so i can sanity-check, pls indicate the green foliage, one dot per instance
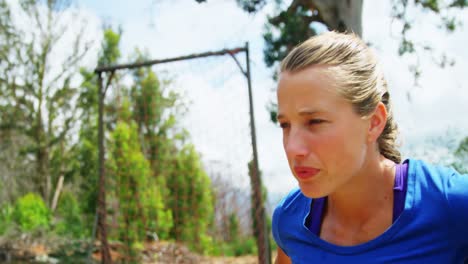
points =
(430, 4)
(6, 217)
(233, 227)
(250, 6)
(70, 217)
(459, 3)
(86, 151)
(406, 47)
(183, 185)
(87, 168)
(285, 31)
(154, 114)
(243, 246)
(110, 52)
(461, 157)
(139, 195)
(31, 213)
(147, 153)
(450, 23)
(462, 149)
(159, 216)
(155, 110)
(235, 244)
(447, 13)
(35, 90)
(192, 197)
(130, 170)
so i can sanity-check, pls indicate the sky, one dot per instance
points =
(169, 28)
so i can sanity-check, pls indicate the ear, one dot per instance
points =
(377, 119)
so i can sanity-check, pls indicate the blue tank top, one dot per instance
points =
(399, 191)
(431, 229)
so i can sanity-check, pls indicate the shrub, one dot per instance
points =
(69, 212)
(31, 213)
(245, 247)
(240, 247)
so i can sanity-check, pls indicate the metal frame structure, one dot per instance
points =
(262, 233)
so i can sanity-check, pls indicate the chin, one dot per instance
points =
(311, 192)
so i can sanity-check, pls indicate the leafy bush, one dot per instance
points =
(69, 213)
(241, 247)
(31, 213)
(245, 247)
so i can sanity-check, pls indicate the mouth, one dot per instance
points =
(305, 172)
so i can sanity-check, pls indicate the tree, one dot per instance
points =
(461, 156)
(86, 151)
(233, 230)
(295, 22)
(155, 113)
(13, 167)
(10, 142)
(298, 22)
(156, 175)
(37, 93)
(191, 199)
(174, 162)
(137, 193)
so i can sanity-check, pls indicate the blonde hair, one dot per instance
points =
(359, 77)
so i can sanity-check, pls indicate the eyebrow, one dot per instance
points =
(305, 112)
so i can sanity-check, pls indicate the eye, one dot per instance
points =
(316, 121)
(284, 125)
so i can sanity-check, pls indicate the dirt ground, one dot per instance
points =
(230, 260)
(173, 253)
(152, 252)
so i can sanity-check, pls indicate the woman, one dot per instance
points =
(357, 202)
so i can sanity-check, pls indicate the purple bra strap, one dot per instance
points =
(314, 221)
(399, 189)
(316, 214)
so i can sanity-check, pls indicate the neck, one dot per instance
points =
(367, 194)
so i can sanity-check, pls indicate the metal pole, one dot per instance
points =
(263, 242)
(105, 254)
(153, 62)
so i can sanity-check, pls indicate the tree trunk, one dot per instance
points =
(58, 190)
(43, 177)
(341, 15)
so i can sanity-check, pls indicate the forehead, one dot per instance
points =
(312, 87)
(311, 77)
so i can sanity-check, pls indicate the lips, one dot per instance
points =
(305, 172)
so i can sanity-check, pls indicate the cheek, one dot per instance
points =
(337, 146)
(285, 143)
(349, 147)
(327, 140)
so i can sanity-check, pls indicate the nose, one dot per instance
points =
(295, 145)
